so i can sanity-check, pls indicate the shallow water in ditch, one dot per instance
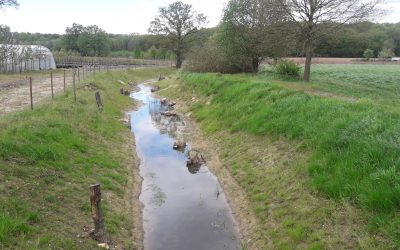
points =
(184, 209)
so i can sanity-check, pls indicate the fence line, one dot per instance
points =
(47, 84)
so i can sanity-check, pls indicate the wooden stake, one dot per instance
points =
(98, 101)
(64, 80)
(99, 232)
(30, 90)
(74, 86)
(52, 88)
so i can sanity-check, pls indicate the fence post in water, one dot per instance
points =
(30, 91)
(51, 82)
(64, 79)
(74, 85)
(79, 76)
(97, 215)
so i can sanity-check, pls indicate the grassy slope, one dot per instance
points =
(48, 159)
(354, 148)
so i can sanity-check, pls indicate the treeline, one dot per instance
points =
(354, 39)
(94, 41)
(351, 41)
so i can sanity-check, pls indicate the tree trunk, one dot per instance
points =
(309, 54)
(255, 65)
(178, 60)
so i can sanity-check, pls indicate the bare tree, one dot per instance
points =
(7, 48)
(311, 15)
(8, 3)
(178, 22)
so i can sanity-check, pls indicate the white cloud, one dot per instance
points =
(119, 16)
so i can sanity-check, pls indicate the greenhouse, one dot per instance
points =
(20, 58)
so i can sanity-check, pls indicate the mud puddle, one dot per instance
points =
(184, 207)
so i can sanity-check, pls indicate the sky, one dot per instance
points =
(114, 16)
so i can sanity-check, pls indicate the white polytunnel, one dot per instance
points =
(20, 58)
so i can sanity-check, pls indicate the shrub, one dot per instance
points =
(208, 58)
(368, 54)
(287, 68)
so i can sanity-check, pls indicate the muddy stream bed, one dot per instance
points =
(184, 207)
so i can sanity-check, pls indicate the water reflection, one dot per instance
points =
(181, 210)
(171, 125)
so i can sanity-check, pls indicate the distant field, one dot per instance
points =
(378, 83)
(333, 60)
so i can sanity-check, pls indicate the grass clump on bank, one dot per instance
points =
(355, 147)
(50, 156)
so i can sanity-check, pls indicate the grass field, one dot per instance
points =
(50, 156)
(378, 84)
(346, 121)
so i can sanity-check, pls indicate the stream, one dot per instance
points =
(184, 207)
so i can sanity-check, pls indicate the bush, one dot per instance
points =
(208, 58)
(288, 68)
(368, 54)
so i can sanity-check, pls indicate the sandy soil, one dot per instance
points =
(15, 95)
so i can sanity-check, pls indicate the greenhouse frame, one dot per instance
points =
(21, 58)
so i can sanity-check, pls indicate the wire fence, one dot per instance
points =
(28, 89)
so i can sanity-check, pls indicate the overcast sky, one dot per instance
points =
(114, 16)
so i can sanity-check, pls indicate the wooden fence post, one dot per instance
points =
(30, 90)
(98, 101)
(52, 87)
(64, 80)
(74, 85)
(99, 232)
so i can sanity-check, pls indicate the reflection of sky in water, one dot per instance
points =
(182, 210)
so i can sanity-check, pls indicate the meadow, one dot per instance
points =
(345, 121)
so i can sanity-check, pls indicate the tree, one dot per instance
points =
(388, 49)
(8, 3)
(249, 32)
(310, 15)
(72, 35)
(368, 54)
(178, 22)
(89, 41)
(93, 41)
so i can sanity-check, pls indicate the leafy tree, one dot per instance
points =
(178, 22)
(311, 15)
(388, 49)
(89, 41)
(138, 53)
(93, 42)
(252, 30)
(368, 54)
(72, 35)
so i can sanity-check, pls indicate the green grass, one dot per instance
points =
(50, 156)
(378, 84)
(354, 145)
